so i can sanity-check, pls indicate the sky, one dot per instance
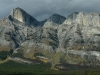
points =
(43, 9)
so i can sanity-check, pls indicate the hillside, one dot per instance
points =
(58, 40)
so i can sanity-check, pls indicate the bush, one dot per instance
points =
(4, 54)
(38, 54)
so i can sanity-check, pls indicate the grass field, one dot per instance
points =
(13, 68)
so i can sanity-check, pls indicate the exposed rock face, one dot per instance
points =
(80, 30)
(78, 34)
(54, 20)
(83, 18)
(17, 28)
(20, 15)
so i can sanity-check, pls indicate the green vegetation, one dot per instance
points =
(46, 53)
(13, 68)
(17, 55)
(4, 54)
(38, 54)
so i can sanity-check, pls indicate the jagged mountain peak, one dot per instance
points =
(73, 40)
(17, 9)
(83, 18)
(57, 15)
(22, 16)
(84, 13)
(56, 18)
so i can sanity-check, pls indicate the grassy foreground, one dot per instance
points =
(13, 68)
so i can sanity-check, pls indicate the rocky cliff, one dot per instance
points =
(20, 15)
(73, 40)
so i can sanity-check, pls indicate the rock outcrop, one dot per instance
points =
(74, 39)
(54, 21)
(20, 15)
(83, 18)
(80, 29)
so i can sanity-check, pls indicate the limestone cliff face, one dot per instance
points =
(80, 32)
(20, 15)
(77, 36)
(16, 28)
(54, 20)
(80, 28)
(83, 18)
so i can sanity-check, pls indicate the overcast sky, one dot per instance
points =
(42, 9)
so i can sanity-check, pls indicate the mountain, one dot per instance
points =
(20, 15)
(72, 40)
(54, 21)
(79, 36)
(82, 30)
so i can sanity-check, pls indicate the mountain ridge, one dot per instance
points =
(22, 16)
(57, 37)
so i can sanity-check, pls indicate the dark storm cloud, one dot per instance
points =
(42, 9)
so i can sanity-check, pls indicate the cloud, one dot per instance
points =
(42, 9)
